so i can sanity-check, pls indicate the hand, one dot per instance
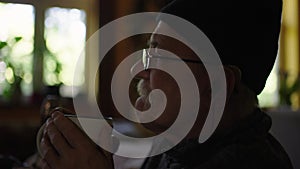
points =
(65, 146)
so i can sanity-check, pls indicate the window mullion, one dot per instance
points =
(39, 48)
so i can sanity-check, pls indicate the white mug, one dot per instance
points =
(92, 127)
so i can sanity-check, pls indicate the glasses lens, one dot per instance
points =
(145, 59)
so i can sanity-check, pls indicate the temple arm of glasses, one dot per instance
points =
(178, 59)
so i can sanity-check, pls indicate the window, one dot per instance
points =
(65, 31)
(16, 56)
(283, 85)
(269, 97)
(40, 43)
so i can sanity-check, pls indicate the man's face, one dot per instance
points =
(157, 79)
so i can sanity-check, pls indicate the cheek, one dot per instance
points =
(163, 81)
(156, 79)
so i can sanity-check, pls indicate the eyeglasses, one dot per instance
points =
(147, 59)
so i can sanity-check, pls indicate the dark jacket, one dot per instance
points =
(248, 146)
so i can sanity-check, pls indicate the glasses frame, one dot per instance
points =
(146, 59)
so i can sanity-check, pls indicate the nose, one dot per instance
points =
(137, 71)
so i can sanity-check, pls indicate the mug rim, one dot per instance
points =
(70, 116)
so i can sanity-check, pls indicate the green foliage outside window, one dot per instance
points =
(12, 70)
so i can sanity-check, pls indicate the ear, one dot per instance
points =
(233, 78)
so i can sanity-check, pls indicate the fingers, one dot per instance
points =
(56, 138)
(48, 152)
(69, 130)
(65, 145)
(45, 165)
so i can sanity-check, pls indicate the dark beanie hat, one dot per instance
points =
(244, 33)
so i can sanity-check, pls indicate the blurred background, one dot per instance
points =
(40, 42)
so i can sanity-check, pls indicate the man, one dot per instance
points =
(245, 34)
